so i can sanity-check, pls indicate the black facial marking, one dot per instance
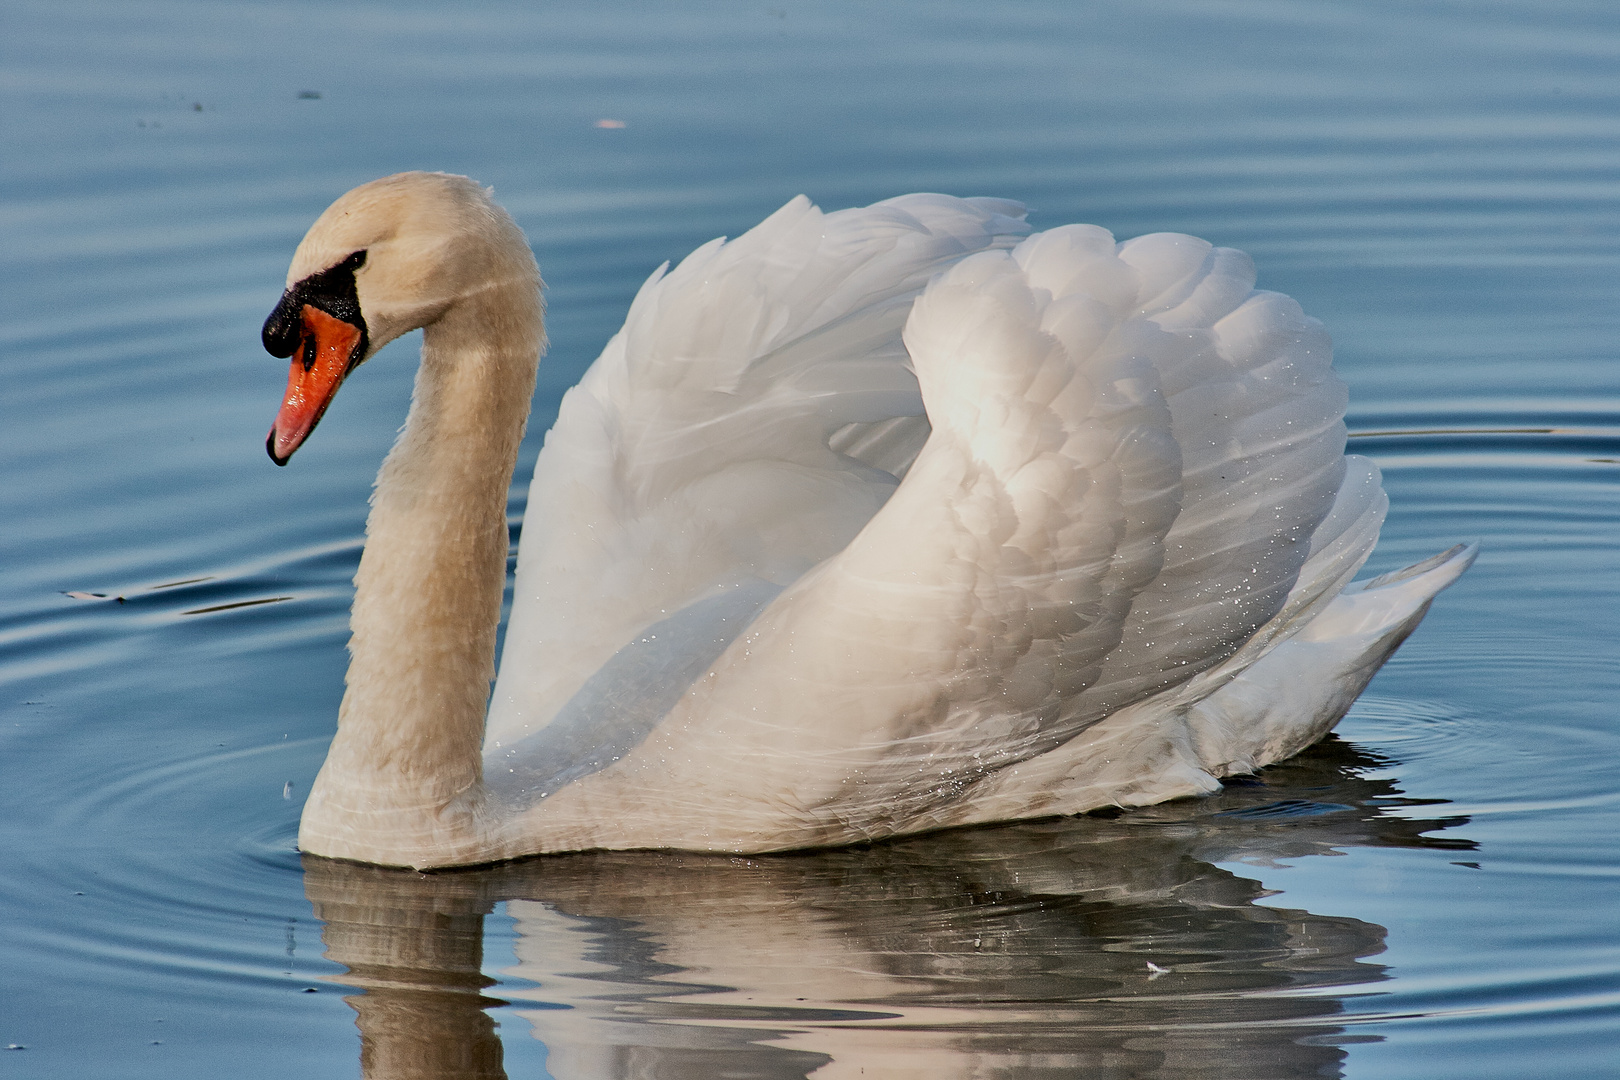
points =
(332, 291)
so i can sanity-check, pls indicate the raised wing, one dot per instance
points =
(752, 415)
(1131, 453)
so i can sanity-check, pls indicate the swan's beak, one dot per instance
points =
(328, 348)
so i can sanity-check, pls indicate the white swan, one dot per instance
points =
(774, 589)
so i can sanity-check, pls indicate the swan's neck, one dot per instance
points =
(404, 772)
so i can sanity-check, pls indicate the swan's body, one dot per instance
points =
(776, 591)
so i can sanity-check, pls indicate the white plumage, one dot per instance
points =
(868, 522)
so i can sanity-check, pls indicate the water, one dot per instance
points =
(1428, 895)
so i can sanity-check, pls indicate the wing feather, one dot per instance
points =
(1129, 481)
(1132, 451)
(753, 413)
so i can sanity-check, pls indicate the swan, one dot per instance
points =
(866, 523)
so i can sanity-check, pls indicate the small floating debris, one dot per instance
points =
(1154, 971)
(309, 95)
(182, 581)
(1458, 431)
(610, 125)
(239, 603)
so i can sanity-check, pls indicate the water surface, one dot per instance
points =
(1428, 895)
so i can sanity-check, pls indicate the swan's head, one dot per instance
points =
(386, 258)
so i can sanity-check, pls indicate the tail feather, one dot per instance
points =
(1294, 694)
(1276, 706)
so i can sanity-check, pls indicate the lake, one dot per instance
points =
(1430, 893)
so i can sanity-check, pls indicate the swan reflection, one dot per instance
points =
(1106, 947)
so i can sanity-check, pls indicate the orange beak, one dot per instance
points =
(325, 354)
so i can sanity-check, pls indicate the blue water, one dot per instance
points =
(1430, 894)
